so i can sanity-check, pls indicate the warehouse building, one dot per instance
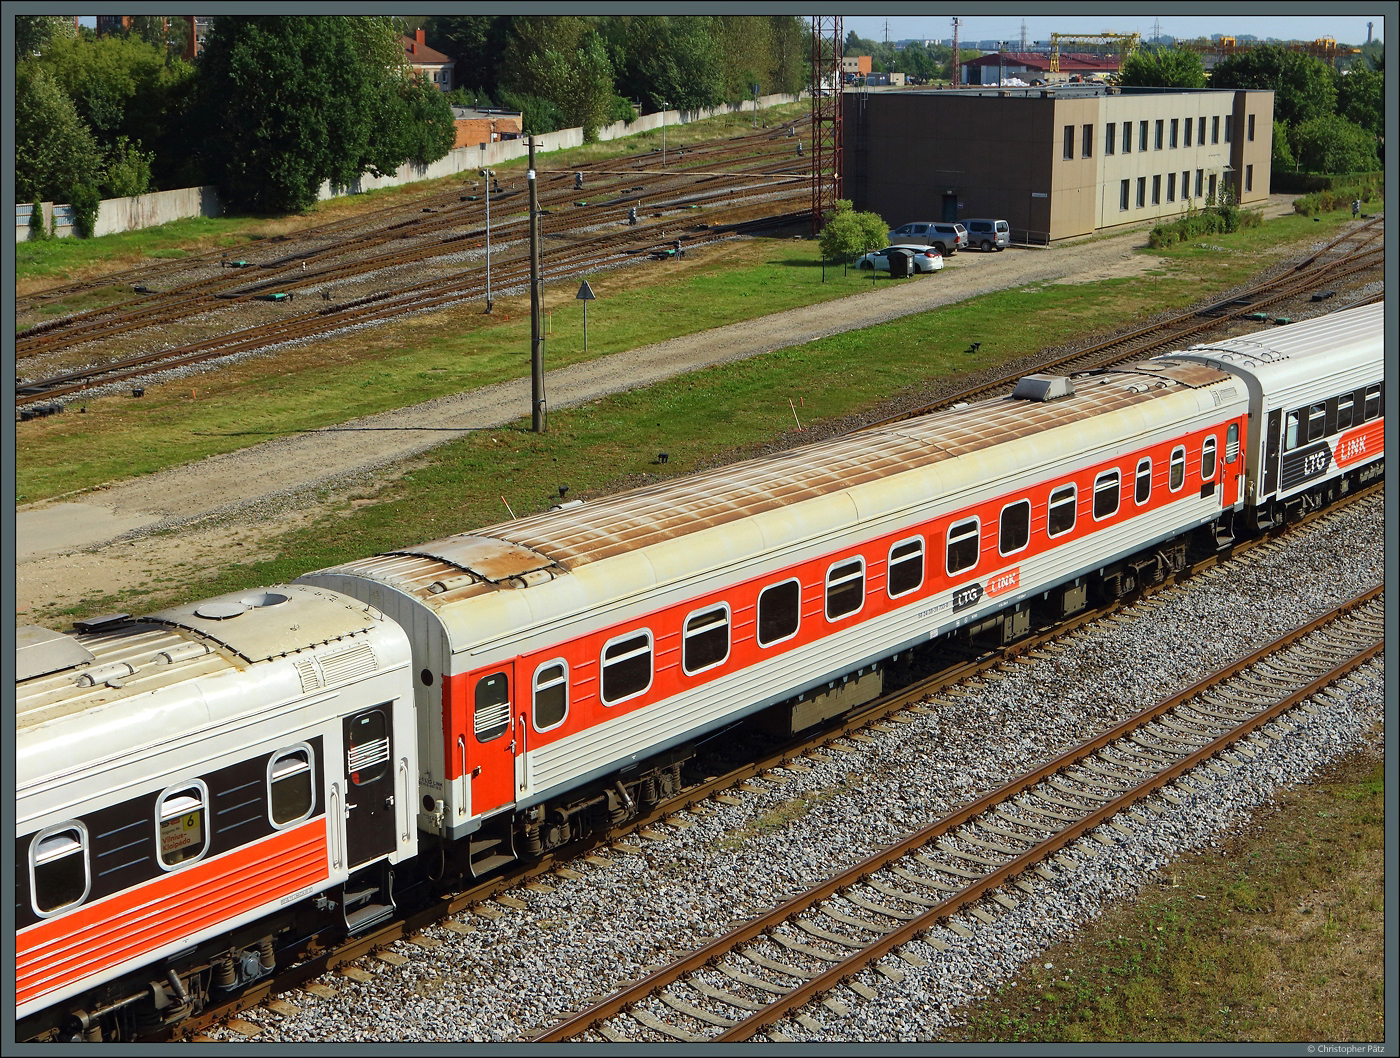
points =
(1054, 162)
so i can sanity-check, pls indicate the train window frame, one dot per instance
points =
(1058, 500)
(1292, 423)
(1232, 443)
(536, 686)
(1142, 481)
(1209, 463)
(895, 562)
(956, 528)
(164, 813)
(502, 725)
(1317, 421)
(796, 613)
(1346, 411)
(1372, 399)
(1025, 528)
(1103, 488)
(84, 849)
(605, 664)
(308, 768)
(841, 576)
(688, 636)
(1176, 469)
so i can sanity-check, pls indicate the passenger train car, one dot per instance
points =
(195, 783)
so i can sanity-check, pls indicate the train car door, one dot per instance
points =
(369, 774)
(495, 740)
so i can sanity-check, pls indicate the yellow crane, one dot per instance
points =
(1127, 43)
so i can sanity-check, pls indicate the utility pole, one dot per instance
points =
(954, 80)
(537, 410)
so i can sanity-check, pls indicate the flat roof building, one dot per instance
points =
(1054, 162)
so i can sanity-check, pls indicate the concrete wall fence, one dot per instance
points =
(160, 207)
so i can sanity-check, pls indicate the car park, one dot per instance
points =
(949, 237)
(922, 258)
(988, 234)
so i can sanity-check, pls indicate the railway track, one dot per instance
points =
(313, 959)
(746, 983)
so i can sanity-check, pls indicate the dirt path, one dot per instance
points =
(229, 507)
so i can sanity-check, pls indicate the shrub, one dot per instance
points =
(36, 223)
(85, 202)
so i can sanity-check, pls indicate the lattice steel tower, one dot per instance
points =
(826, 117)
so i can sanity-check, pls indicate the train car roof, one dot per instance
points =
(538, 548)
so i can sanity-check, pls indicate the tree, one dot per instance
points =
(676, 61)
(847, 233)
(1302, 85)
(1162, 68)
(288, 103)
(128, 170)
(1332, 144)
(33, 33)
(1361, 97)
(475, 42)
(54, 151)
(1282, 156)
(579, 84)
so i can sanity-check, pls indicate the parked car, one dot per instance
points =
(948, 237)
(988, 234)
(922, 258)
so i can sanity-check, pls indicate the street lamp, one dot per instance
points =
(486, 175)
(1001, 61)
(664, 105)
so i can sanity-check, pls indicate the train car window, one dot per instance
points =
(1232, 442)
(367, 746)
(626, 667)
(1317, 421)
(1106, 489)
(845, 588)
(964, 545)
(491, 707)
(1346, 408)
(181, 824)
(1142, 482)
(551, 698)
(905, 570)
(1290, 430)
(1014, 531)
(1059, 514)
(778, 613)
(705, 640)
(290, 789)
(1176, 476)
(1373, 402)
(59, 873)
(1208, 459)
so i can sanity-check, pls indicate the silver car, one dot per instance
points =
(948, 236)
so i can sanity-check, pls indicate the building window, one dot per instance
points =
(963, 546)
(1229, 127)
(290, 796)
(1122, 194)
(1200, 180)
(1171, 187)
(1157, 190)
(1249, 178)
(906, 567)
(1249, 127)
(1186, 183)
(705, 641)
(1106, 488)
(778, 613)
(1157, 135)
(1127, 137)
(1173, 141)
(1069, 142)
(1086, 145)
(1110, 137)
(180, 824)
(1141, 192)
(626, 667)
(1201, 131)
(550, 703)
(845, 588)
(1215, 129)
(1210, 197)
(491, 707)
(1189, 125)
(1142, 135)
(59, 875)
(1059, 515)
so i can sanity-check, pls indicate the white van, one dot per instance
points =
(988, 234)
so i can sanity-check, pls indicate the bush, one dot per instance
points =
(1218, 218)
(85, 203)
(36, 223)
(1340, 193)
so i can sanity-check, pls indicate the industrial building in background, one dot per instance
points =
(1056, 162)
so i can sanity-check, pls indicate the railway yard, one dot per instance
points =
(867, 880)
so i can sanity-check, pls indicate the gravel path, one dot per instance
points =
(523, 964)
